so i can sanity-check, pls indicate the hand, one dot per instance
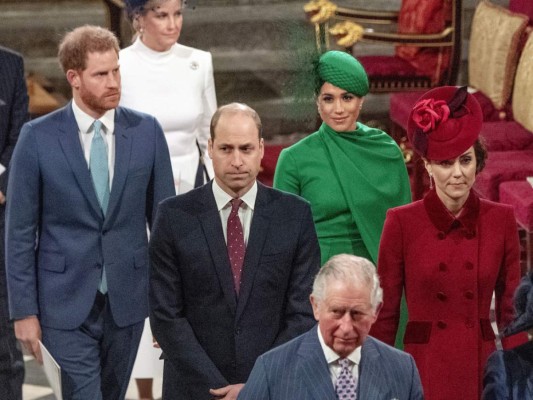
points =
(28, 331)
(229, 392)
(2, 198)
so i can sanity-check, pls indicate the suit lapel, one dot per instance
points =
(212, 226)
(123, 143)
(370, 379)
(70, 143)
(258, 233)
(314, 368)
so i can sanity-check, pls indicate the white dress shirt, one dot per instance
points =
(246, 211)
(332, 359)
(86, 133)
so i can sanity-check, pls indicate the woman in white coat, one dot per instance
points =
(175, 84)
(172, 82)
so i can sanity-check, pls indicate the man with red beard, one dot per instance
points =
(85, 181)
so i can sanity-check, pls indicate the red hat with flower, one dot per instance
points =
(444, 123)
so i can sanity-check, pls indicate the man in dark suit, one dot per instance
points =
(233, 263)
(338, 360)
(13, 113)
(85, 181)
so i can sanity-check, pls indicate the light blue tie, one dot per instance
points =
(100, 174)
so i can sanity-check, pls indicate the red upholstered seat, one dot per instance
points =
(503, 166)
(401, 105)
(268, 163)
(506, 135)
(519, 194)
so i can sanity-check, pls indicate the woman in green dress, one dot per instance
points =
(350, 173)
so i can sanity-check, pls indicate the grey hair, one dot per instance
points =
(235, 108)
(351, 269)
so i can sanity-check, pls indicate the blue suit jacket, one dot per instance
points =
(509, 374)
(13, 106)
(209, 336)
(57, 236)
(298, 370)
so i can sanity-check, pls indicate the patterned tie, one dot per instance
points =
(346, 387)
(235, 243)
(100, 174)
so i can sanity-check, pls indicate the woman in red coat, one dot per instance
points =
(449, 252)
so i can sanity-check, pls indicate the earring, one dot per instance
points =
(430, 180)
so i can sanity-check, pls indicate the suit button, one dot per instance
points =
(238, 331)
(442, 267)
(469, 265)
(469, 323)
(441, 324)
(469, 294)
(441, 235)
(442, 296)
(98, 266)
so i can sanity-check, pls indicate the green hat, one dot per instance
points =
(344, 71)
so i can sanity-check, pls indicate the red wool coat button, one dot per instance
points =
(469, 265)
(441, 324)
(441, 235)
(442, 267)
(469, 323)
(442, 296)
(469, 294)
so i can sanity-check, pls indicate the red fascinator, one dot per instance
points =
(444, 123)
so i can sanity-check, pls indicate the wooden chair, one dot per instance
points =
(428, 44)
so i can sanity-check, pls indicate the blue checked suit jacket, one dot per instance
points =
(298, 370)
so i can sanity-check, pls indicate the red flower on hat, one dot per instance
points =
(428, 114)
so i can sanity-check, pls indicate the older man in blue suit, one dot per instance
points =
(337, 360)
(13, 113)
(85, 182)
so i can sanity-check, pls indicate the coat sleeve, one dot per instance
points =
(209, 104)
(22, 217)
(417, 393)
(161, 184)
(391, 273)
(286, 176)
(18, 116)
(495, 379)
(298, 312)
(508, 280)
(169, 325)
(256, 387)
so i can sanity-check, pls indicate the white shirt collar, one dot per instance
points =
(331, 356)
(222, 198)
(85, 121)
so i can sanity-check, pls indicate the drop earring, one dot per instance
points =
(430, 180)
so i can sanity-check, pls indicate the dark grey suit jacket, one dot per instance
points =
(211, 338)
(298, 370)
(13, 106)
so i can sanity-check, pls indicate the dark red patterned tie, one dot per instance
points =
(235, 243)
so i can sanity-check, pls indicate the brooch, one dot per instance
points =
(194, 65)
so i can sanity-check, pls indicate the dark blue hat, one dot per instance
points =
(134, 4)
(523, 303)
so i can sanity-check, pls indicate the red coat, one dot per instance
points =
(449, 268)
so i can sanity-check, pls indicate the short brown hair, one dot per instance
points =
(78, 43)
(235, 108)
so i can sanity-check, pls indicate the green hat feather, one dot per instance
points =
(344, 71)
